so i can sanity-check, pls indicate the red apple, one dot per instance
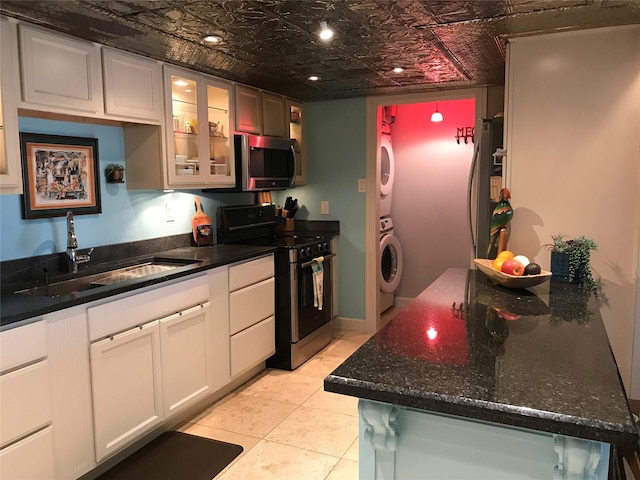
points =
(512, 267)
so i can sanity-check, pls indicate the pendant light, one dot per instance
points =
(436, 116)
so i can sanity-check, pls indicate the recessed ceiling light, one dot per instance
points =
(187, 90)
(214, 39)
(325, 32)
(313, 78)
(398, 70)
(180, 83)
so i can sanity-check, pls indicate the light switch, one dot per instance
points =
(362, 185)
(324, 207)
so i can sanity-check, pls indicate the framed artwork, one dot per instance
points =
(59, 174)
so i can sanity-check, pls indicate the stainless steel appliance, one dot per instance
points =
(485, 180)
(265, 163)
(302, 328)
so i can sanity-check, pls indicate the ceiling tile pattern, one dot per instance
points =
(273, 44)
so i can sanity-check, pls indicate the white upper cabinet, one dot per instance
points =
(10, 170)
(60, 71)
(260, 113)
(132, 86)
(248, 110)
(296, 135)
(199, 111)
(273, 115)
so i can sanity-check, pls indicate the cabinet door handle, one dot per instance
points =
(194, 309)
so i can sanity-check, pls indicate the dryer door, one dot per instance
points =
(390, 263)
(387, 167)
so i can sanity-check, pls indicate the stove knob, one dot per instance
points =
(301, 251)
(309, 251)
(325, 245)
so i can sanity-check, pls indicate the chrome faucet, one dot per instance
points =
(72, 246)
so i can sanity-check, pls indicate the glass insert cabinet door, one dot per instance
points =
(199, 147)
(297, 136)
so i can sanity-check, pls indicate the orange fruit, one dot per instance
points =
(501, 258)
(497, 263)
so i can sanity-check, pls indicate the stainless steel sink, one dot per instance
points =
(139, 270)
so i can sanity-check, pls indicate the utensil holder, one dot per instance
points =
(288, 224)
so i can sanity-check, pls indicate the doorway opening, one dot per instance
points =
(416, 110)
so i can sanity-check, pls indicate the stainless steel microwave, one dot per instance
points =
(265, 163)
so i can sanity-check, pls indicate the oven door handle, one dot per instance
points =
(311, 262)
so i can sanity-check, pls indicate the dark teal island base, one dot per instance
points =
(476, 381)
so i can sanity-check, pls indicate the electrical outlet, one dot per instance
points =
(168, 213)
(362, 185)
(324, 207)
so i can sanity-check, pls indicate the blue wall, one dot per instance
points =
(336, 159)
(127, 215)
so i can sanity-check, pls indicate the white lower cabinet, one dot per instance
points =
(251, 305)
(29, 459)
(251, 313)
(151, 355)
(127, 391)
(163, 362)
(25, 400)
(186, 344)
(26, 442)
(71, 402)
(252, 346)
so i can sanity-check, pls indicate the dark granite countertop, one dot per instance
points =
(535, 358)
(19, 309)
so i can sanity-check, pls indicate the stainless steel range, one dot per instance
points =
(303, 310)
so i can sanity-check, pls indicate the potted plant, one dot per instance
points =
(570, 260)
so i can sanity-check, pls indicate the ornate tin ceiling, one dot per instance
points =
(273, 44)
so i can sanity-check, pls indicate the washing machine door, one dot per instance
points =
(387, 167)
(390, 263)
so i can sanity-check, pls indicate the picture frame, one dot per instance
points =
(60, 173)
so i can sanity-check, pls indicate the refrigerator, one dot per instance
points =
(485, 183)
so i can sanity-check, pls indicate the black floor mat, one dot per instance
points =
(175, 456)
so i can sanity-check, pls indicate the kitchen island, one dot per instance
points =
(476, 381)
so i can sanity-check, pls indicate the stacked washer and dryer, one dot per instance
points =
(390, 261)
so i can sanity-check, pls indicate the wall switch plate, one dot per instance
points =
(168, 213)
(324, 207)
(362, 185)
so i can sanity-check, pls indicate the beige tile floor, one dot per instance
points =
(288, 426)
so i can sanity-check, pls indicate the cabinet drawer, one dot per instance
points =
(22, 345)
(251, 305)
(26, 405)
(251, 272)
(119, 315)
(29, 459)
(252, 346)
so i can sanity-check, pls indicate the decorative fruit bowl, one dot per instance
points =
(511, 281)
